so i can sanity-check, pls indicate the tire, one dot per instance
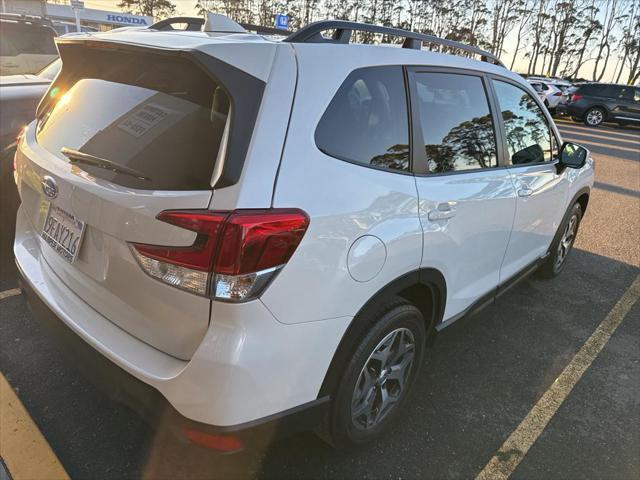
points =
(363, 381)
(594, 117)
(562, 244)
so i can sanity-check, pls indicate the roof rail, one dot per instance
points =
(312, 33)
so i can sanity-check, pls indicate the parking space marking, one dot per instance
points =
(514, 449)
(582, 133)
(10, 293)
(23, 449)
(612, 147)
(615, 134)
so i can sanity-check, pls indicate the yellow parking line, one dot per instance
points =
(514, 449)
(23, 449)
(10, 293)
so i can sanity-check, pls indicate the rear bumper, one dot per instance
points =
(249, 369)
(148, 402)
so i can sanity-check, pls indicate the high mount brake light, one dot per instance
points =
(234, 256)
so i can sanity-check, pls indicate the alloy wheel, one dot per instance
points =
(595, 117)
(383, 378)
(566, 241)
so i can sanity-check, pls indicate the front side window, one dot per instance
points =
(366, 121)
(526, 127)
(457, 128)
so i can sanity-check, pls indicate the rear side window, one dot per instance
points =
(159, 115)
(457, 128)
(526, 127)
(366, 121)
(631, 94)
(609, 91)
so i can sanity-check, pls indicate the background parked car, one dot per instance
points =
(67, 27)
(551, 95)
(595, 103)
(19, 97)
(26, 44)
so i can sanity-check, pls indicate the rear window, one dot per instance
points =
(158, 115)
(17, 38)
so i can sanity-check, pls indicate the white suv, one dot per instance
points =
(266, 232)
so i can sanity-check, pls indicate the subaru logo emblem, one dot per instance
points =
(49, 187)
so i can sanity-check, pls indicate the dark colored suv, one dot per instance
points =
(595, 103)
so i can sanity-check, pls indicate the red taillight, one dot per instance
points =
(575, 97)
(254, 240)
(557, 94)
(198, 256)
(220, 443)
(241, 249)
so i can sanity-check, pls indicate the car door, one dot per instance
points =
(630, 104)
(531, 147)
(466, 197)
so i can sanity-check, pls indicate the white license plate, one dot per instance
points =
(63, 232)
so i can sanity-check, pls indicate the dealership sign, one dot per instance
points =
(58, 11)
(127, 20)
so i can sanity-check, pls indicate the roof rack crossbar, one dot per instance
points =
(196, 24)
(312, 33)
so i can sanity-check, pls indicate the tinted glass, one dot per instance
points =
(528, 133)
(29, 38)
(602, 90)
(456, 122)
(7, 47)
(366, 122)
(629, 93)
(159, 115)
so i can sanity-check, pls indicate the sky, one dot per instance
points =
(186, 7)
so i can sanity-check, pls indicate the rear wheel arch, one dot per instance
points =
(423, 288)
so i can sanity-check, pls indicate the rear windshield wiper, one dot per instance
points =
(76, 156)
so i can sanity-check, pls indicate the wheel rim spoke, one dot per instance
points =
(382, 379)
(566, 240)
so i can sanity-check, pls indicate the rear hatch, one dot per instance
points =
(123, 134)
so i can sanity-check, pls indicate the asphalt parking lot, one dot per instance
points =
(484, 374)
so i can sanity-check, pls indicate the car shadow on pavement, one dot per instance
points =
(483, 375)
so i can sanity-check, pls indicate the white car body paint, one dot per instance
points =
(227, 364)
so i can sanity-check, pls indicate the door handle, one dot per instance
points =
(525, 192)
(443, 211)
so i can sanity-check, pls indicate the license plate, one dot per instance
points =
(63, 232)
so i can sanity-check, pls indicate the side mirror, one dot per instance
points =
(572, 155)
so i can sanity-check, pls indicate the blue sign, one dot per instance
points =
(282, 21)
